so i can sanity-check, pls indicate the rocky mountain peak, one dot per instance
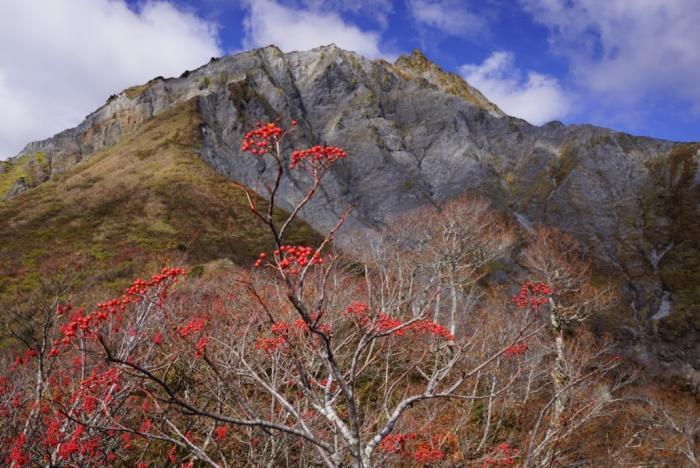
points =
(418, 135)
(417, 65)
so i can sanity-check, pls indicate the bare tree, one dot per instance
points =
(556, 259)
(308, 362)
(455, 244)
(310, 357)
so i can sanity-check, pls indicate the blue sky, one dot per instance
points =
(632, 65)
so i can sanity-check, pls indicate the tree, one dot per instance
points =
(310, 357)
(455, 244)
(557, 260)
(299, 360)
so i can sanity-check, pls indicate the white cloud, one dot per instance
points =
(537, 98)
(627, 50)
(59, 60)
(269, 22)
(449, 16)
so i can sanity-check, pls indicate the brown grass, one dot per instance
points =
(150, 198)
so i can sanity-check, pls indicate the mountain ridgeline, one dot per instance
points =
(416, 135)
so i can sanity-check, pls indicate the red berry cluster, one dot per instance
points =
(518, 349)
(283, 328)
(292, 259)
(396, 443)
(195, 325)
(280, 328)
(532, 294)
(270, 345)
(261, 140)
(301, 326)
(503, 455)
(384, 323)
(24, 359)
(17, 455)
(74, 445)
(158, 339)
(220, 433)
(359, 311)
(98, 387)
(136, 293)
(284, 332)
(324, 383)
(427, 327)
(261, 260)
(201, 346)
(423, 452)
(318, 156)
(146, 425)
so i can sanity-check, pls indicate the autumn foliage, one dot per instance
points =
(309, 357)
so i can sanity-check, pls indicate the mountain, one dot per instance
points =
(148, 199)
(416, 134)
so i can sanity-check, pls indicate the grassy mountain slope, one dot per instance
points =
(148, 200)
(415, 135)
(31, 169)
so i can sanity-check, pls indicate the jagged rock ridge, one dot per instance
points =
(419, 135)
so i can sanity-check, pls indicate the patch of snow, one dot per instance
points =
(655, 257)
(664, 308)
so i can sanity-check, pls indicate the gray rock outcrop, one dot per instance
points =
(419, 135)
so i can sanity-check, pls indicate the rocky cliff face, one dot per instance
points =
(419, 135)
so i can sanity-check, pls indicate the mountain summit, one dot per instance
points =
(417, 135)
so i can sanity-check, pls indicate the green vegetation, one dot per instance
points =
(136, 91)
(204, 83)
(12, 171)
(31, 167)
(538, 188)
(567, 163)
(417, 64)
(147, 201)
(241, 95)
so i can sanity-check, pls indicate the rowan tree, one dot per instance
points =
(302, 371)
(308, 357)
